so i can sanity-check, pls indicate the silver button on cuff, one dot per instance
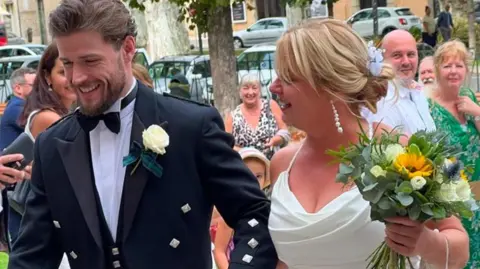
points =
(253, 243)
(174, 243)
(247, 258)
(253, 222)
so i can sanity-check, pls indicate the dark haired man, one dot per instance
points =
(86, 203)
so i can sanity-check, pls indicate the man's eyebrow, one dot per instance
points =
(81, 57)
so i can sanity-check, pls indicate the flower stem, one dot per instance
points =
(135, 167)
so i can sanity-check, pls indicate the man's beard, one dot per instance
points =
(113, 90)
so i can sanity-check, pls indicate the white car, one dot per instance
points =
(22, 50)
(259, 60)
(389, 19)
(263, 31)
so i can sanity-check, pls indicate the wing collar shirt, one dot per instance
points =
(407, 110)
(108, 150)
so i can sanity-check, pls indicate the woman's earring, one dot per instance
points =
(50, 87)
(337, 119)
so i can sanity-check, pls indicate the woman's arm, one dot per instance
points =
(229, 123)
(282, 137)
(434, 249)
(42, 121)
(222, 239)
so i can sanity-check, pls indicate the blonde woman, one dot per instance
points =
(456, 110)
(314, 222)
(257, 122)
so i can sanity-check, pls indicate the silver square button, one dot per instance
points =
(73, 255)
(253, 222)
(247, 258)
(185, 208)
(56, 224)
(116, 264)
(174, 243)
(253, 243)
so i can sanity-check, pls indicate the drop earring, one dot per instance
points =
(337, 118)
(50, 87)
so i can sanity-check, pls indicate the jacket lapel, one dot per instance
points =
(146, 114)
(75, 155)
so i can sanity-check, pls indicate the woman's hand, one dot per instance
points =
(274, 142)
(9, 175)
(28, 172)
(406, 237)
(467, 106)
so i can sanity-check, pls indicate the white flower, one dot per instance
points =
(447, 163)
(418, 182)
(438, 178)
(155, 139)
(378, 171)
(448, 193)
(392, 151)
(463, 190)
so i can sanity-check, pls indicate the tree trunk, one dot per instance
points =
(142, 28)
(330, 8)
(294, 15)
(471, 26)
(222, 59)
(166, 35)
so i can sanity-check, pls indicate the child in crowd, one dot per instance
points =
(258, 163)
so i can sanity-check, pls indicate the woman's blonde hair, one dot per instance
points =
(451, 49)
(329, 55)
(141, 73)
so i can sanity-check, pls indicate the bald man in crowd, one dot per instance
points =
(407, 110)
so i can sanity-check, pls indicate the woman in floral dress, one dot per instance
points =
(455, 110)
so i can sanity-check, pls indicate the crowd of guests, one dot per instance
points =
(392, 99)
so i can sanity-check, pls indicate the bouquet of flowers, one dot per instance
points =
(422, 180)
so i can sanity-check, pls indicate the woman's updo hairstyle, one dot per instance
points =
(330, 56)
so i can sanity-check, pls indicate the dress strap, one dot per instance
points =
(29, 123)
(294, 158)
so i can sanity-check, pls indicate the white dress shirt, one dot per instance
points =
(108, 150)
(408, 110)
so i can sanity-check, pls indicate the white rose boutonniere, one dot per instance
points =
(155, 141)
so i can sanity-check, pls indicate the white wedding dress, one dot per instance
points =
(339, 236)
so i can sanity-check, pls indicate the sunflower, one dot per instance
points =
(413, 165)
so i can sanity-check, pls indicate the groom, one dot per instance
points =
(84, 202)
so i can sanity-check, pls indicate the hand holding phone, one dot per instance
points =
(9, 175)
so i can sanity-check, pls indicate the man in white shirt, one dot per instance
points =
(405, 106)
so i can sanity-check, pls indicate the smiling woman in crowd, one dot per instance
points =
(456, 110)
(257, 122)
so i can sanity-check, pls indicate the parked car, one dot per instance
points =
(141, 57)
(13, 39)
(22, 50)
(389, 19)
(259, 60)
(264, 30)
(10, 64)
(195, 68)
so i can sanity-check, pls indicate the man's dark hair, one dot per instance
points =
(18, 76)
(110, 18)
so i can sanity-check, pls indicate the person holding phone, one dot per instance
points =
(10, 175)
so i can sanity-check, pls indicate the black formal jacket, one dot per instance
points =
(200, 169)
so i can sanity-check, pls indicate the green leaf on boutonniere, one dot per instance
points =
(149, 161)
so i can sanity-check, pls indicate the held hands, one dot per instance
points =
(467, 106)
(406, 237)
(9, 175)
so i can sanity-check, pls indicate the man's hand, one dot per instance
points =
(9, 175)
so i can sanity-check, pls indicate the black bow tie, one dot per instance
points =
(111, 119)
(88, 123)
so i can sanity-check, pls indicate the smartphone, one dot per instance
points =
(22, 145)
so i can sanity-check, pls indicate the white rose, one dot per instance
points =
(447, 193)
(438, 178)
(463, 190)
(378, 171)
(155, 139)
(392, 151)
(418, 182)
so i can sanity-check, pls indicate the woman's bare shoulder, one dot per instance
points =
(281, 160)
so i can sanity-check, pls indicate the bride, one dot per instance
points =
(315, 223)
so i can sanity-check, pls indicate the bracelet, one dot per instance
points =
(284, 134)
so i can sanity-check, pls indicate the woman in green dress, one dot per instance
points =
(456, 111)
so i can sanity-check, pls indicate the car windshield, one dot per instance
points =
(39, 50)
(167, 69)
(404, 12)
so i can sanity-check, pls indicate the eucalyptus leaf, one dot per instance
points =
(372, 196)
(439, 212)
(370, 187)
(345, 169)
(341, 178)
(404, 187)
(414, 212)
(384, 203)
(414, 149)
(368, 179)
(427, 209)
(404, 198)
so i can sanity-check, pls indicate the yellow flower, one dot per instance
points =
(463, 176)
(414, 165)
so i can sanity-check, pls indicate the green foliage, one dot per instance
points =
(416, 33)
(460, 31)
